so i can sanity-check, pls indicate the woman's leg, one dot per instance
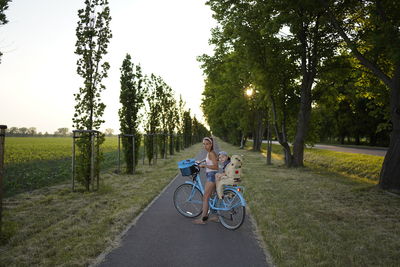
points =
(209, 189)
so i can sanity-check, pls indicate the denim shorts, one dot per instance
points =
(211, 176)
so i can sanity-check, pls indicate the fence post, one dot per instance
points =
(156, 148)
(92, 160)
(172, 140)
(182, 142)
(144, 146)
(165, 145)
(97, 161)
(119, 153)
(133, 154)
(73, 161)
(2, 137)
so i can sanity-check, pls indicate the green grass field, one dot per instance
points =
(357, 166)
(53, 226)
(34, 162)
(320, 215)
(326, 214)
(27, 149)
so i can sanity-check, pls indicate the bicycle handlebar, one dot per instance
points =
(200, 162)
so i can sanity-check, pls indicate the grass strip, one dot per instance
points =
(53, 226)
(310, 217)
(357, 166)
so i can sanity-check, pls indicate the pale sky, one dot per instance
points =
(38, 70)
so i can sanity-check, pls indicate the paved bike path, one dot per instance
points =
(163, 237)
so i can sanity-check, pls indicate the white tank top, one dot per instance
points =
(209, 162)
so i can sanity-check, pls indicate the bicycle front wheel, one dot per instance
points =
(188, 200)
(233, 217)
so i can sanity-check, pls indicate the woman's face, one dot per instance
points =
(207, 145)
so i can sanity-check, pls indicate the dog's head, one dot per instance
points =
(236, 161)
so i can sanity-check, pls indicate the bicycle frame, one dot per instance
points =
(196, 183)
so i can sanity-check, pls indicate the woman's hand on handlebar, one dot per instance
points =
(199, 163)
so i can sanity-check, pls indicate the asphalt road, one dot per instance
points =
(369, 151)
(163, 237)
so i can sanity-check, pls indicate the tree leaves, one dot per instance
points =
(132, 96)
(93, 35)
(3, 18)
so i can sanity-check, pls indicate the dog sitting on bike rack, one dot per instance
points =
(231, 176)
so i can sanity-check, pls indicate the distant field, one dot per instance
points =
(26, 149)
(34, 162)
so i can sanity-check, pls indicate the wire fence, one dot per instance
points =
(35, 162)
(2, 137)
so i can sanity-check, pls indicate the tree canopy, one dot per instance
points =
(321, 70)
(3, 17)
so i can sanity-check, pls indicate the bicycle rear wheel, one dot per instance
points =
(232, 218)
(188, 200)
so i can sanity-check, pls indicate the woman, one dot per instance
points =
(211, 166)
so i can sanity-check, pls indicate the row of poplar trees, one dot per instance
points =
(148, 103)
(340, 59)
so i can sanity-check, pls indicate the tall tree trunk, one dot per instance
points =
(358, 139)
(303, 121)
(269, 143)
(308, 69)
(259, 129)
(171, 143)
(129, 154)
(242, 141)
(254, 140)
(372, 139)
(390, 172)
(281, 135)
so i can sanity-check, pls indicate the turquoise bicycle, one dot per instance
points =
(188, 198)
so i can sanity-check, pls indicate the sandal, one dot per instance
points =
(199, 221)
